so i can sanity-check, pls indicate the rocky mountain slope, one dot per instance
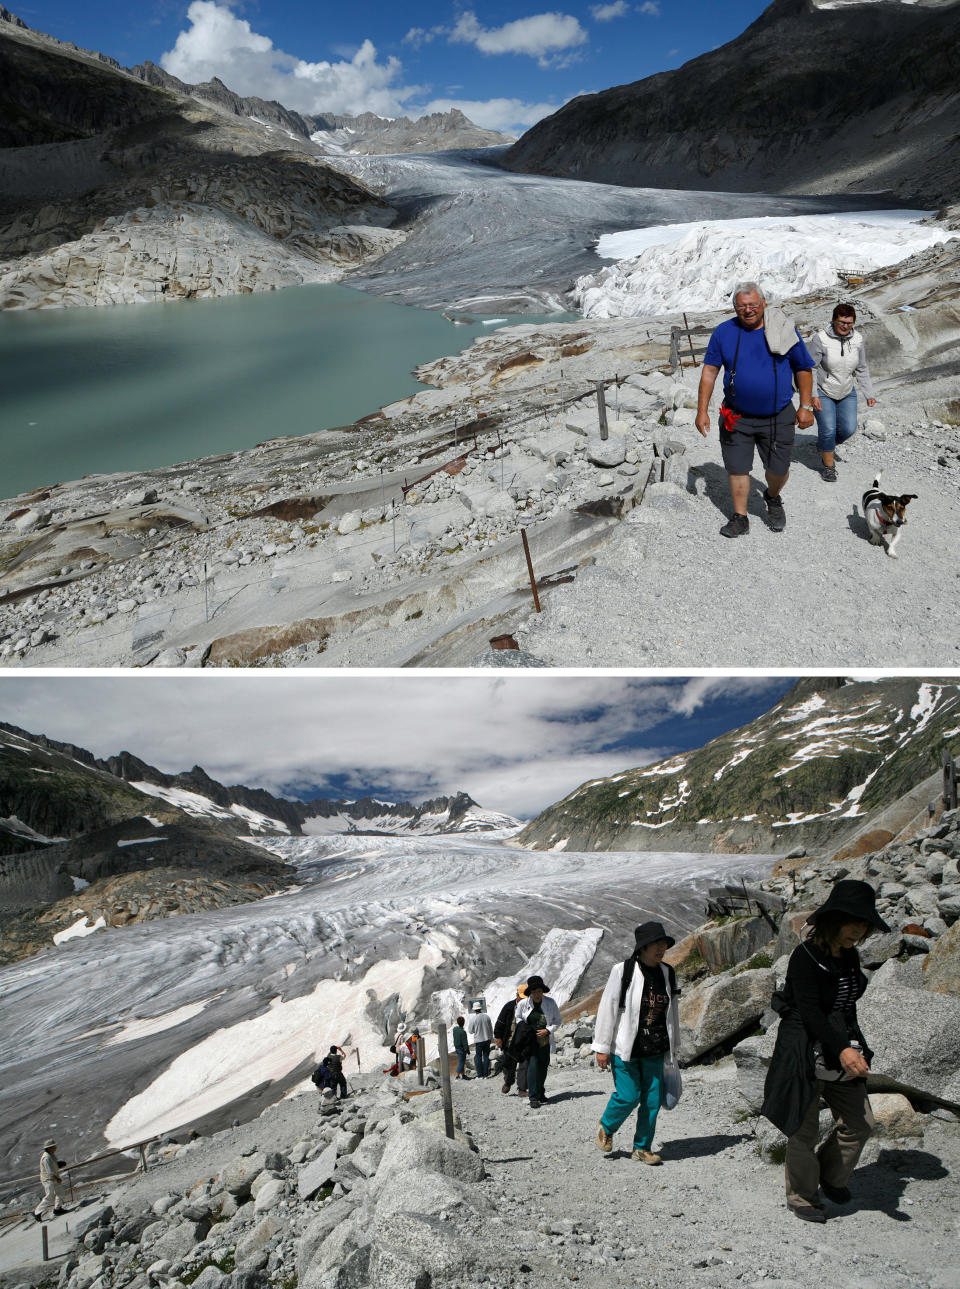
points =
(116, 841)
(116, 190)
(810, 98)
(807, 773)
(373, 135)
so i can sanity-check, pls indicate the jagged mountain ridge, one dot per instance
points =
(807, 99)
(194, 794)
(806, 773)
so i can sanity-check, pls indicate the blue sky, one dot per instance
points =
(504, 64)
(515, 742)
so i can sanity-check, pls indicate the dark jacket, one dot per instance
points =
(504, 1026)
(807, 1017)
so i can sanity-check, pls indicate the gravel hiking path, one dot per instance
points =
(669, 591)
(713, 1215)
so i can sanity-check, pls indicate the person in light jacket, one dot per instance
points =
(638, 1028)
(51, 1181)
(821, 1053)
(538, 1019)
(841, 359)
(480, 1031)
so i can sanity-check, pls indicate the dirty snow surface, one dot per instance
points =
(232, 1008)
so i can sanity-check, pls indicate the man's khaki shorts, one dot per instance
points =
(772, 436)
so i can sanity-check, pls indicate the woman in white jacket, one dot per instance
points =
(638, 1029)
(841, 360)
(539, 1016)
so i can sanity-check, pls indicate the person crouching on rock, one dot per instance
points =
(538, 1017)
(51, 1181)
(637, 1025)
(821, 1052)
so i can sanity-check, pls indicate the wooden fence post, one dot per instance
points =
(601, 409)
(445, 1092)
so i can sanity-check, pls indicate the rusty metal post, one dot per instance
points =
(446, 1094)
(601, 409)
(43, 1243)
(533, 580)
(690, 341)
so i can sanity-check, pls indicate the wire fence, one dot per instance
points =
(212, 584)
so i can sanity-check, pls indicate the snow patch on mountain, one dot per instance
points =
(79, 930)
(199, 806)
(697, 264)
(145, 1026)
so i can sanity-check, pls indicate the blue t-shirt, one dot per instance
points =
(763, 382)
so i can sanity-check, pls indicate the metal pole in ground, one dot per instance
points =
(383, 495)
(533, 580)
(206, 594)
(394, 525)
(601, 409)
(420, 1051)
(445, 1092)
(43, 1243)
(143, 1157)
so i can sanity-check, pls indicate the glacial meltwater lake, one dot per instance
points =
(132, 387)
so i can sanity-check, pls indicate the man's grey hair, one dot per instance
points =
(747, 288)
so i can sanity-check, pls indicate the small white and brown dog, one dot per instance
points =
(885, 515)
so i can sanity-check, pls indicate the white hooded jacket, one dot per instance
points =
(551, 1013)
(615, 1031)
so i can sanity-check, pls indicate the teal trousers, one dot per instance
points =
(637, 1085)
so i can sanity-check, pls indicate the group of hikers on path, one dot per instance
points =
(821, 1054)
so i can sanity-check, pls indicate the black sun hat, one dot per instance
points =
(536, 982)
(647, 932)
(857, 899)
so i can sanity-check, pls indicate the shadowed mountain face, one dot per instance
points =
(807, 773)
(861, 96)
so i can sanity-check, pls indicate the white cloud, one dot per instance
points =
(542, 36)
(217, 43)
(513, 742)
(606, 12)
(509, 114)
(650, 7)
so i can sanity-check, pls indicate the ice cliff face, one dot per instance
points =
(808, 98)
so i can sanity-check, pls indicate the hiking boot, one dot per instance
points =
(59, 1212)
(535, 1104)
(735, 526)
(828, 474)
(646, 1157)
(37, 1217)
(506, 1087)
(839, 1194)
(776, 515)
(807, 1213)
(604, 1140)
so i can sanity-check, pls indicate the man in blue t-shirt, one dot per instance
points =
(757, 408)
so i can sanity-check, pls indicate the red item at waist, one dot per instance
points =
(728, 418)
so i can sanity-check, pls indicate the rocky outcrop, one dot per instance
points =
(778, 109)
(121, 191)
(808, 772)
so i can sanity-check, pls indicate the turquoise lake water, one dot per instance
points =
(132, 387)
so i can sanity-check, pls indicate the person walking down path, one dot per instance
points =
(841, 360)
(761, 354)
(461, 1045)
(334, 1060)
(480, 1030)
(503, 1033)
(821, 1053)
(538, 1019)
(51, 1181)
(637, 1026)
